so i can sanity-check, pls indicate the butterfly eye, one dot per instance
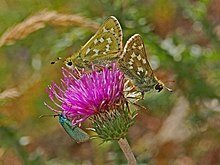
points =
(158, 87)
(70, 63)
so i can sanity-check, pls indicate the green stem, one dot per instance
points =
(123, 143)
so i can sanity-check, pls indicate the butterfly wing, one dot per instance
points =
(105, 44)
(134, 58)
(135, 65)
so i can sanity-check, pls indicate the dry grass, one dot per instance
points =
(40, 20)
(15, 92)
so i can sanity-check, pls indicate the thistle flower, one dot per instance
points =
(97, 95)
(82, 95)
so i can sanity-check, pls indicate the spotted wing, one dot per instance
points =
(105, 44)
(134, 58)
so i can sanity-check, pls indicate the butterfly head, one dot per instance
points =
(159, 86)
(73, 61)
(69, 63)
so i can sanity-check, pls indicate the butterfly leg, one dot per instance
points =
(137, 105)
(140, 106)
(99, 67)
(142, 95)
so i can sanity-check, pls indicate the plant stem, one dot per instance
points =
(123, 143)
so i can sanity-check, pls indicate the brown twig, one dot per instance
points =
(40, 20)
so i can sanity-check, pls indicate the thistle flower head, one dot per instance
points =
(81, 95)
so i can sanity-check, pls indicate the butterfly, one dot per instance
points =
(74, 132)
(104, 47)
(133, 62)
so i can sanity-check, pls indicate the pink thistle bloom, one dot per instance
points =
(82, 95)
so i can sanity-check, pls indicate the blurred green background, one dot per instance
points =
(183, 41)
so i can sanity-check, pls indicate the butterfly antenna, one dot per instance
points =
(58, 59)
(172, 81)
(48, 115)
(170, 90)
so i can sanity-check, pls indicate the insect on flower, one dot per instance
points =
(81, 95)
(133, 62)
(104, 47)
(74, 132)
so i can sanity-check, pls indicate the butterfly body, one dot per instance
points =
(104, 47)
(73, 131)
(133, 62)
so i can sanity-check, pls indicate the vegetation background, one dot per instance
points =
(183, 41)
